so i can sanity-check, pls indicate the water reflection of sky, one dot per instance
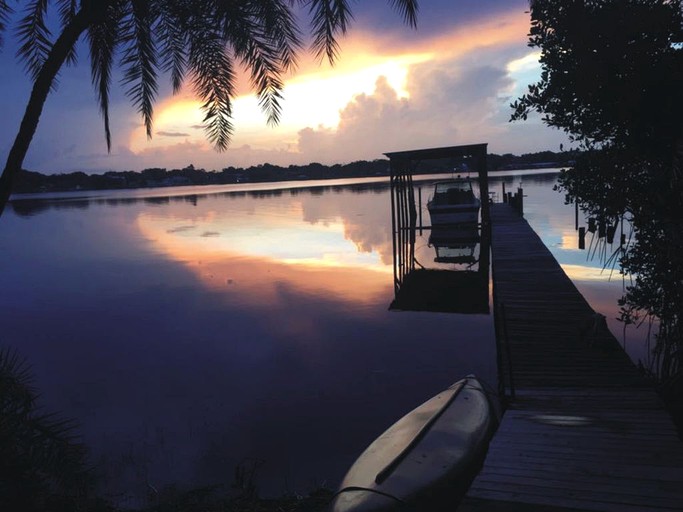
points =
(277, 234)
(188, 333)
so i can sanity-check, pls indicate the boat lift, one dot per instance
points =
(418, 288)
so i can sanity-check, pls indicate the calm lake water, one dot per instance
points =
(216, 326)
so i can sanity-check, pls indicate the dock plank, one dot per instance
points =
(585, 431)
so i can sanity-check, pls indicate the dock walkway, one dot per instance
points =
(585, 431)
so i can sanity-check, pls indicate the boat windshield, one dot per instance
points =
(446, 186)
(454, 192)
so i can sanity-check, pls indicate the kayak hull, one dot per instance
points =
(427, 459)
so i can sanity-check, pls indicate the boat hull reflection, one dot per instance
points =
(457, 282)
(455, 243)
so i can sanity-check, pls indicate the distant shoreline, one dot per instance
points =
(30, 182)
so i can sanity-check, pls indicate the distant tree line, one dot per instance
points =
(540, 160)
(34, 182)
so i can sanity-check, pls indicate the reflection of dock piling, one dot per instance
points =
(584, 431)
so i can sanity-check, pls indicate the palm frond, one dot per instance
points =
(330, 19)
(67, 11)
(103, 41)
(34, 36)
(408, 9)
(270, 101)
(17, 395)
(42, 454)
(5, 11)
(214, 82)
(172, 29)
(140, 60)
(262, 37)
(280, 28)
(281, 33)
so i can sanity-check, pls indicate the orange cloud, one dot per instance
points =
(360, 48)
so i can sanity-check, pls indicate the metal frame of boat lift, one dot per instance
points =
(402, 165)
(404, 215)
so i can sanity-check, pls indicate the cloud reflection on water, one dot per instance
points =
(338, 250)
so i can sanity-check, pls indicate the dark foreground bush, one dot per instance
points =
(44, 467)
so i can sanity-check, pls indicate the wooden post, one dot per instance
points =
(591, 225)
(520, 201)
(419, 210)
(582, 237)
(505, 197)
(576, 215)
(483, 172)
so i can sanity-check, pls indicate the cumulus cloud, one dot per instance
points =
(450, 103)
(364, 125)
(446, 106)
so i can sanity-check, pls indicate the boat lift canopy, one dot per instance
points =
(403, 165)
(468, 150)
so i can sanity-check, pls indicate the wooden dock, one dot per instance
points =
(584, 431)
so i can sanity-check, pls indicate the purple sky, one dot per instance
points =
(448, 82)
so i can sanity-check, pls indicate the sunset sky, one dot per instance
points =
(448, 82)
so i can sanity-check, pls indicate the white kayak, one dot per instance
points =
(427, 459)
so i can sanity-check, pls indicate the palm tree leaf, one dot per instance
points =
(17, 395)
(283, 41)
(274, 28)
(67, 11)
(34, 36)
(263, 38)
(43, 450)
(408, 9)
(5, 11)
(214, 82)
(270, 101)
(330, 18)
(140, 60)
(172, 30)
(52, 449)
(103, 40)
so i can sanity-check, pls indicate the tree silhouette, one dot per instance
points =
(204, 40)
(611, 71)
(612, 78)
